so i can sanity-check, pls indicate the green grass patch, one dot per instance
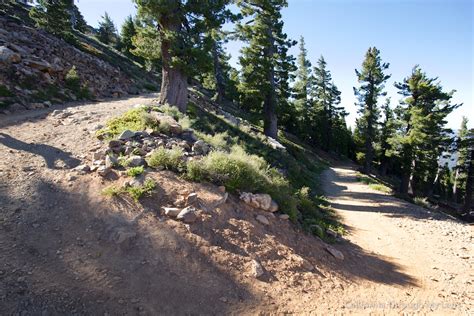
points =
(136, 192)
(134, 120)
(112, 191)
(373, 183)
(135, 171)
(420, 201)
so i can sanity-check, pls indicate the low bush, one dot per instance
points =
(112, 191)
(73, 83)
(136, 192)
(170, 159)
(135, 171)
(134, 120)
(237, 170)
(423, 202)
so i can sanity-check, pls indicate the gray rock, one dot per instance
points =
(103, 171)
(98, 155)
(335, 253)
(191, 198)
(187, 215)
(262, 219)
(82, 168)
(284, 216)
(111, 161)
(7, 56)
(201, 148)
(171, 211)
(135, 161)
(115, 144)
(256, 269)
(332, 233)
(262, 201)
(126, 134)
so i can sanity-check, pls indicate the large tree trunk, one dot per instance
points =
(411, 182)
(219, 77)
(174, 83)
(455, 185)
(469, 184)
(270, 122)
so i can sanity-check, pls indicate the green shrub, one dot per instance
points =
(134, 120)
(73, 81)
(4, 92)
(237, 170)
(112, 191)
(420, 201)
(135, 171)
(220, 141)
(167, 158)
(373, 183)
(380, 187)
(136, 192)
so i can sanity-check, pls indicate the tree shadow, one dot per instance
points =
(82, 256)
(384, 203)
(49, 153)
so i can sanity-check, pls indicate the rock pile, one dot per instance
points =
(34, 63)
(261, 201)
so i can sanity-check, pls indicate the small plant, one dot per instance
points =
(167, 158)
(4, 92)
(134, 120)
(73, 82)
(112, 191)
(380, 187)
(373, 184)
(220, 141)
(420, 201)
(136, 192)
(135, 171)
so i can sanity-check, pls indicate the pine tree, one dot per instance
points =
(107, 33)
(371, 79)
(266, 65)
(387, 132)
(77, 19)
(53, 16)
(470, 175)
(146, 43)
(297, 118)
(127, 32)
(422, 137)
(182, 25)
(462, 152)
(325, 114)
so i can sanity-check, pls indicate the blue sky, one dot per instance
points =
(436, 34)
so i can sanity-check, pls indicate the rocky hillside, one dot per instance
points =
(38, 69)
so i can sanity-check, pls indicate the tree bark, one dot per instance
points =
(368, 148)
(270, 121)
(174, 83)
(469, 184)
(455, 185)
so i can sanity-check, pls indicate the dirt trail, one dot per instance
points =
(431, 254)
(59, 252)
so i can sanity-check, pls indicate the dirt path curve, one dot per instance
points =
(433, 252)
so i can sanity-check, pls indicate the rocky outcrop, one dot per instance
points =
(34, 65)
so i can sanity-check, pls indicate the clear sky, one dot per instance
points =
(436, 34)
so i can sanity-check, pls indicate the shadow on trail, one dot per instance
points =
(88, 258)
(379, 202)
(50, 154)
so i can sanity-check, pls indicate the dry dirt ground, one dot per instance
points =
(68, 250)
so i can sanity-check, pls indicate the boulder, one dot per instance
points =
(171, 211)
(256, 269)
(135, 161)
(39, 65)
(201, 148)
(335, 253)
(111, 161)
(82, 168)
(262, 219)
(103, 171)
(191, 198)
(126, 134)
(262, 201)
(284, 216)
(7, 56)
(187, 215)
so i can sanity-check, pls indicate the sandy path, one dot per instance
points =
(56, 254)
(433, 252)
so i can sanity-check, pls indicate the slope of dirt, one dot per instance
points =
(431, 255)
(67, 249)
